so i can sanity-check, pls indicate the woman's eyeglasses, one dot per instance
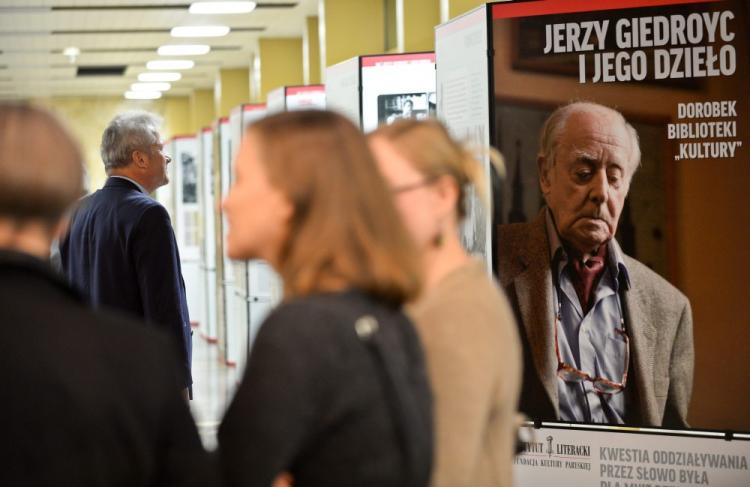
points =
(412, 186)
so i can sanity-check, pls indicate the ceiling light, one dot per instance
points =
(72, 53)
(183, 50)
(150, 77)
(222, 7)
(170, 64)
(150, 87)
(142, 95)
(200, 31)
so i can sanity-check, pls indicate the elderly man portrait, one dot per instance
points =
(121, 249)
(606, 340)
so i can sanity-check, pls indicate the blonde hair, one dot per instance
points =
(434, 153)
(344, 231)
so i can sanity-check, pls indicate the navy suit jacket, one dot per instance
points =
(121, 252)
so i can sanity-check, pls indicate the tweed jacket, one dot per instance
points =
(657, 317)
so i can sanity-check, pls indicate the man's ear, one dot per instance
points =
(544, 182)
(140, 159)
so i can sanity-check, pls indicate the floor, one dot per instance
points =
(213, 386)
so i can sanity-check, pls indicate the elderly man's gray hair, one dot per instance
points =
(556, 122)
(128, 132)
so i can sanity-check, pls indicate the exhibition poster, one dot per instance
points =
(677, 71)
(397, 86)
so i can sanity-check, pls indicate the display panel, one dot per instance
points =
(570, 457)
(227, 270)
(396, 86)
(677, 72)
(311, 97)
(262, 286)
(342, 89)
(276, 100)
(187, 208)
(208, 231)
(463, 104)
(187, 221)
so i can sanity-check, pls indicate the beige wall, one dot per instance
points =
(202, 109)
(280, 63)
(231, 88)
(87, 118)
(350, 28)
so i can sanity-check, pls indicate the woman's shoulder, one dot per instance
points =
(467, 295)
(468, 285)
(329, 313)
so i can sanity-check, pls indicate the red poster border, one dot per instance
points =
(368, 61)
(550, 7)
(295, 90)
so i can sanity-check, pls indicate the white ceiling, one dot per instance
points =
(33, 34)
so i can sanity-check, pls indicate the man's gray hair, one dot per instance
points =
(128, 132)
(556, 122)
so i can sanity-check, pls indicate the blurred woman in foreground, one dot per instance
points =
(463, 318)
(335, 391)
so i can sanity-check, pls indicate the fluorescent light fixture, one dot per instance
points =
(200, 31)
(221, 7)
(183, 50)
(167, 64)
(71, 51)
(150, 87)
(142, 95)
(157, 77)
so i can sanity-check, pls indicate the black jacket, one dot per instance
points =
(330, 403)
(121, 252)
(87, 398)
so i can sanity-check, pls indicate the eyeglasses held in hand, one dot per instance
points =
(568, 373)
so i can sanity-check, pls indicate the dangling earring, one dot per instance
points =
(437, 240)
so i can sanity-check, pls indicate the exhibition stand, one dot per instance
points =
(380, 89)
(677, 71)
(291, 98)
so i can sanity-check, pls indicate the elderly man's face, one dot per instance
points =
(158, 159)
(586, 186)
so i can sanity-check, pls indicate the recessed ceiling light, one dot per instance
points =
(148, 77)
(167, 64)
(200, 31)
(150, 87)
(183, 50)
(221, 7)
(142, 95)
(72, 53)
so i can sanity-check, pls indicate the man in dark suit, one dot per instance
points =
(120, 249)
(606, 340)
(88, 398)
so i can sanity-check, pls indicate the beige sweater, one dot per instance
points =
(474, 360)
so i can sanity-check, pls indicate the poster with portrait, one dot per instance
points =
(677, 71)
(397, 86)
